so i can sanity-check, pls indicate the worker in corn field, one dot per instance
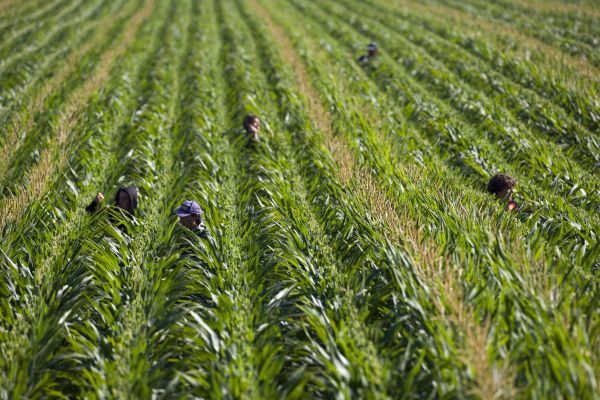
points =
(371, 54)
(255, 141)
(126, 199)
(252, 127)
(190, 216)
(501, 186)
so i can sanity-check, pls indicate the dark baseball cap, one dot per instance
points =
(187, 208)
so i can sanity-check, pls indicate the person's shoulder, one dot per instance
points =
(93, 207)
(253, 143)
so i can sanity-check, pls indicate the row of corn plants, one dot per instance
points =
(94, 154)
(19, 84)
(576, 98)
(470, 160)
(592, 236)
(571, 21)
(36, 313)
(370, 280)
(260, 268)
(205, 172)
(592, 253)
(516, 143)
(132, 175)
(53, 32)
(46, 124)
(467, 153)
(25, 88)
(38, 223)
(484, 244)
(331, 368)
(32, 11)
(582, 45)
(250, 294)
(576, 25)
(13, 42)
(53, 158)
(533, 110)
(122, 346)
(17, 15)
(219, 358)
(222, 382)
(581, 194)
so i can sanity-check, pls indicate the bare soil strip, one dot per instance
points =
(52, 158)
(432, 266)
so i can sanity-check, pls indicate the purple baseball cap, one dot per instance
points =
(187, 208)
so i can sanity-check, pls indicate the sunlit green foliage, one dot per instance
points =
(301, 290)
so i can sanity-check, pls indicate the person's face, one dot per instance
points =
(124, 202)
(191, 221)
(254, 127)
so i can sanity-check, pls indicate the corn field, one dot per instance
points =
(355, 254)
